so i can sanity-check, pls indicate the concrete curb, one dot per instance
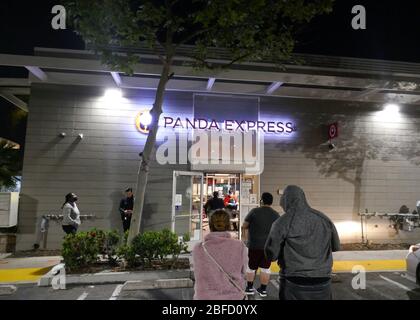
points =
(4, 255)
(158, 284)
(370, 255)
(114, 277)
(7, 290)
(166, 277)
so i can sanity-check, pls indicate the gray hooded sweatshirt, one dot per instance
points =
(303, 239)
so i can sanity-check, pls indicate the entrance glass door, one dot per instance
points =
(227, 185)
(250, 194)
(187, 207)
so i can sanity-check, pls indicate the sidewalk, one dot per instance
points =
(24, 270)
(30, 270)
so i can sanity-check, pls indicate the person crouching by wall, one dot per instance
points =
(219, 263)
(71, 214)
(302, 240)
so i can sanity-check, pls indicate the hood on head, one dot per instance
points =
(293, 198)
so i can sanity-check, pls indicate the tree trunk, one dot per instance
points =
(145, 155)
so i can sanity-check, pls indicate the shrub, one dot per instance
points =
(127, 253)
(157, 245)
(110, 246)
(185, 238)
(84, 248)
(81, 249)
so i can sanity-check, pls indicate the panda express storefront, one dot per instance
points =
(346, 137)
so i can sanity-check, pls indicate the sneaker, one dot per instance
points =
(263, 293)
(250, 291)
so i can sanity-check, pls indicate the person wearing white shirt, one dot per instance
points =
(71, 214)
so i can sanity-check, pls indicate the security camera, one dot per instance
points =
(331, 146)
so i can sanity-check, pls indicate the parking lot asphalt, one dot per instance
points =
(379, 286)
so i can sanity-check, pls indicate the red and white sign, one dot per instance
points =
(333, 130)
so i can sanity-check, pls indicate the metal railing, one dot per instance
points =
(401, 221)
(44, 225)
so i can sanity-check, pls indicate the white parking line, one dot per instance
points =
(116, 292)
(395, 283)
(83, 296)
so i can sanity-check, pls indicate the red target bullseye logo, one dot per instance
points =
(333, 131)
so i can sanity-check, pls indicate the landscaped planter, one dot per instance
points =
(99, 256)
(116, 277)
(7, 242)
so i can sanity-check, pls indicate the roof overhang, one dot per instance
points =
(318, 77)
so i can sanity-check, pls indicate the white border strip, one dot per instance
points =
(116, 292)
(395, 283)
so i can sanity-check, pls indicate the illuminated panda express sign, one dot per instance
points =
(275, 127)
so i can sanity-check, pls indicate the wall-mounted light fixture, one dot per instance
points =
(62, 134)
(390, 113)
(113, 94)
(391, 108)
(80, 136)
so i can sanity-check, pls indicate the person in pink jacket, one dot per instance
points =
(219, 263)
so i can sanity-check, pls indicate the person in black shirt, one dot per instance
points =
(214, 204)
(126, 208)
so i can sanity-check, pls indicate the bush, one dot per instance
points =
(81, 249)
(84, 248)
(154, 245)
(185, 238)
(110, 246)
(127, 253)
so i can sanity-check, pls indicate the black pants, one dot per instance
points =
(293, 291)
(126, 223)
(68, 229)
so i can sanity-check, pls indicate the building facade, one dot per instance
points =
(372, 165)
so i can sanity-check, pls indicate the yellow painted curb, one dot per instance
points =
(369, 265)
(24, 274)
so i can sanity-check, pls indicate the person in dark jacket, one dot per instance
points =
(126, 208)
(302, 241)
(214, 204)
